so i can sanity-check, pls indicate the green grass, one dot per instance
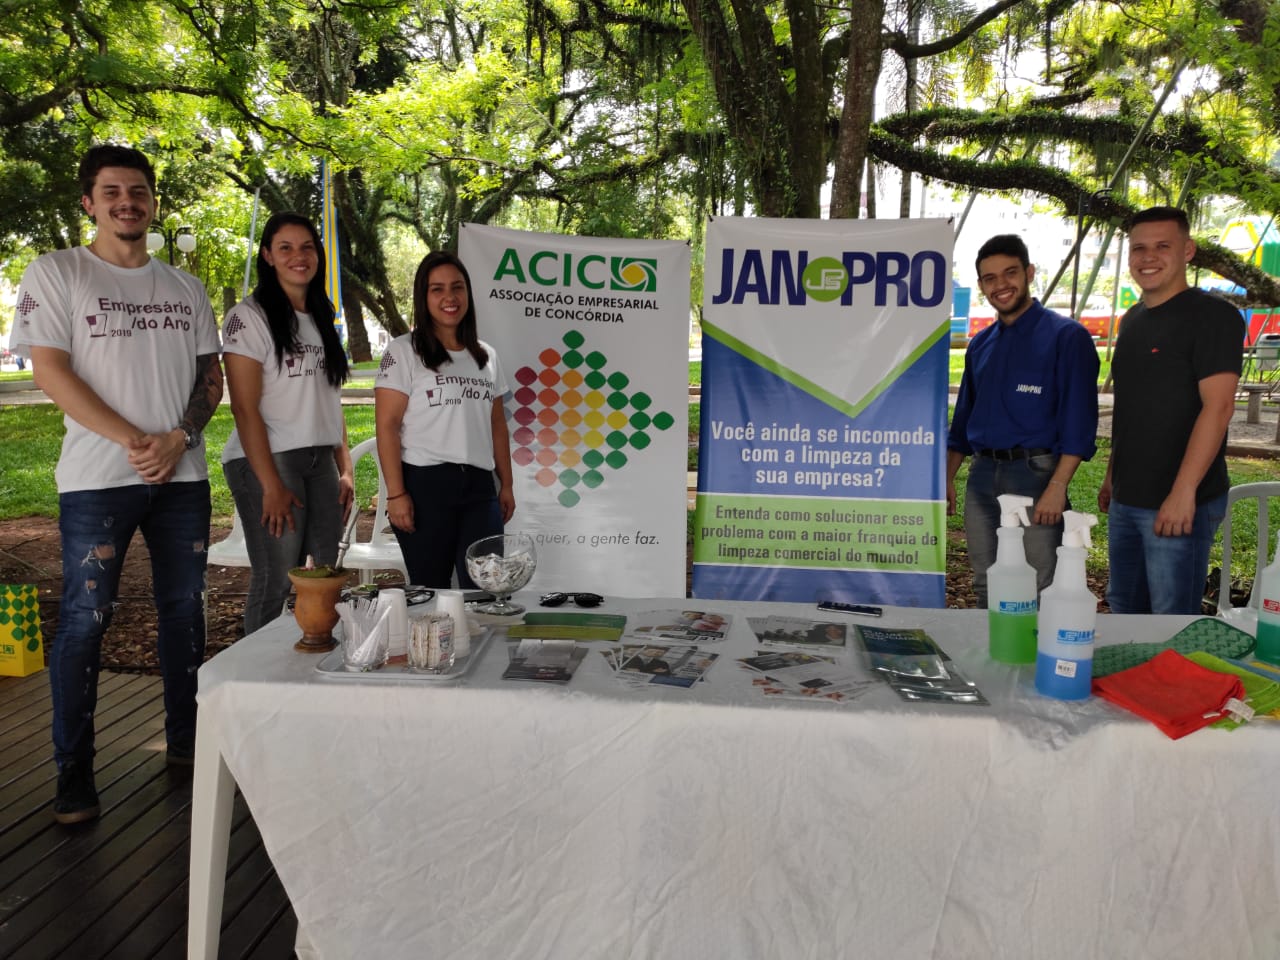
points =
(1084, 497)
(33, 439)
(11, 376)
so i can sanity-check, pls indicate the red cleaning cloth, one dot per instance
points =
(1172, 692)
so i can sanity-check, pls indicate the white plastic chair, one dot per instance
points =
(381, 551)
(231, 551)
(1246, 617)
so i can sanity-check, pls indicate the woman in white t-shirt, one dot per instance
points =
(286, 462)
(442, 432)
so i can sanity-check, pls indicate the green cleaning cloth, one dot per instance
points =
(1260, 693)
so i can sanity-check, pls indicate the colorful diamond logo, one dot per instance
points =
(577, 421)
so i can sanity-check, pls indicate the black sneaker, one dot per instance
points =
(181, 754)
(77, 800)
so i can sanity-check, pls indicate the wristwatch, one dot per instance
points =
(190, 438)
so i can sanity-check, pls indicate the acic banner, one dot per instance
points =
(594, 336)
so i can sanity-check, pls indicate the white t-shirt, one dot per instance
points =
(299, 406)
(448, 416)
(133, 335)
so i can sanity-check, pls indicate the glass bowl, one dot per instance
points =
(501, 565)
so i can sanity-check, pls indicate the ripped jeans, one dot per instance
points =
(96, 527)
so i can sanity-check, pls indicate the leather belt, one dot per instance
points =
(1015, 453)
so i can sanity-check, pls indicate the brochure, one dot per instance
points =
(806, 676)
(681, 626)
(916, 667)
(569, 618)
(561, 631)
(798, 631)
(550, 661)
(903, 650)
(672, 666)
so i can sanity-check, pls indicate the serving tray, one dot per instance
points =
(331, 667)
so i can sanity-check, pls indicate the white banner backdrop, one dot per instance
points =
(593, 334)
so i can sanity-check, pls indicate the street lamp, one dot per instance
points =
(170, 236)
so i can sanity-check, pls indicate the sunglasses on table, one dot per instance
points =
(581, 599)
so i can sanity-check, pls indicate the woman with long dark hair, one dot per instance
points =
(442, 432)
(286, 462)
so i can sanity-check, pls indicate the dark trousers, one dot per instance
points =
(454, 505)
(96, 526)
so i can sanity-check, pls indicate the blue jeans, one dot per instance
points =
(312, 474)
(1152, 574)
(989, 479)
(96, 527)
(454, 505)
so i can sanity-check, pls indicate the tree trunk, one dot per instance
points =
(357, 335)
(911, 101)
(865, 51)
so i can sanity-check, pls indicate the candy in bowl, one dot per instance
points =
(501, 565)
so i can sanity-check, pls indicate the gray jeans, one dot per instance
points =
(312, 475)
(987, 480)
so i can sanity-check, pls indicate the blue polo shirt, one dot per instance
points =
(1032, 383)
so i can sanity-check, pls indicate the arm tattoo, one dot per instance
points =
(205, 394)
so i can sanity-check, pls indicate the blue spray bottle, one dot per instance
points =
(1068, 615)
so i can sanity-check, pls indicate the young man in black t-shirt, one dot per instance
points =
(1176, 368)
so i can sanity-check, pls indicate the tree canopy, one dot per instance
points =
(631, 117)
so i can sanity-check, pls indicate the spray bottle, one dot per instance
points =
(1068, 614)
(1011, 588)
(1268, 647)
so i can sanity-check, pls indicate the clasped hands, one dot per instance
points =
(155, 456)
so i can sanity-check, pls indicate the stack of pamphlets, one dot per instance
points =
(679, 626)
(567, 625)
(916, 667)
(551, 661)
(805, 676)
(799, 631)
(642, 665)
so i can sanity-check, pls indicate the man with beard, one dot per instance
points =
(1027, 411)
(1176, 368)
(127, 347)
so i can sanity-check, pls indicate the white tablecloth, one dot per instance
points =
(520, 820)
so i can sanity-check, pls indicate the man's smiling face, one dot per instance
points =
(121, 203)
(1006, 284)
(1158, 256)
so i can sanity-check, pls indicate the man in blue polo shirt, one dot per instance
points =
(1027, 411)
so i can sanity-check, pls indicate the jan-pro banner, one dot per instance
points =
(594, 336)
(824, 403)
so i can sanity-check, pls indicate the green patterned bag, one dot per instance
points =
(21, 649)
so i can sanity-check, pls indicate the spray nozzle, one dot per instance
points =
(1076, 528)
(1013, 510)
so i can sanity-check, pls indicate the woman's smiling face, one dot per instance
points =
(446, 300)
(294, 256)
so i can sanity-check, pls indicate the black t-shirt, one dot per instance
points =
(1161, 356)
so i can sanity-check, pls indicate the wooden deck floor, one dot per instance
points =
(117, 887)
